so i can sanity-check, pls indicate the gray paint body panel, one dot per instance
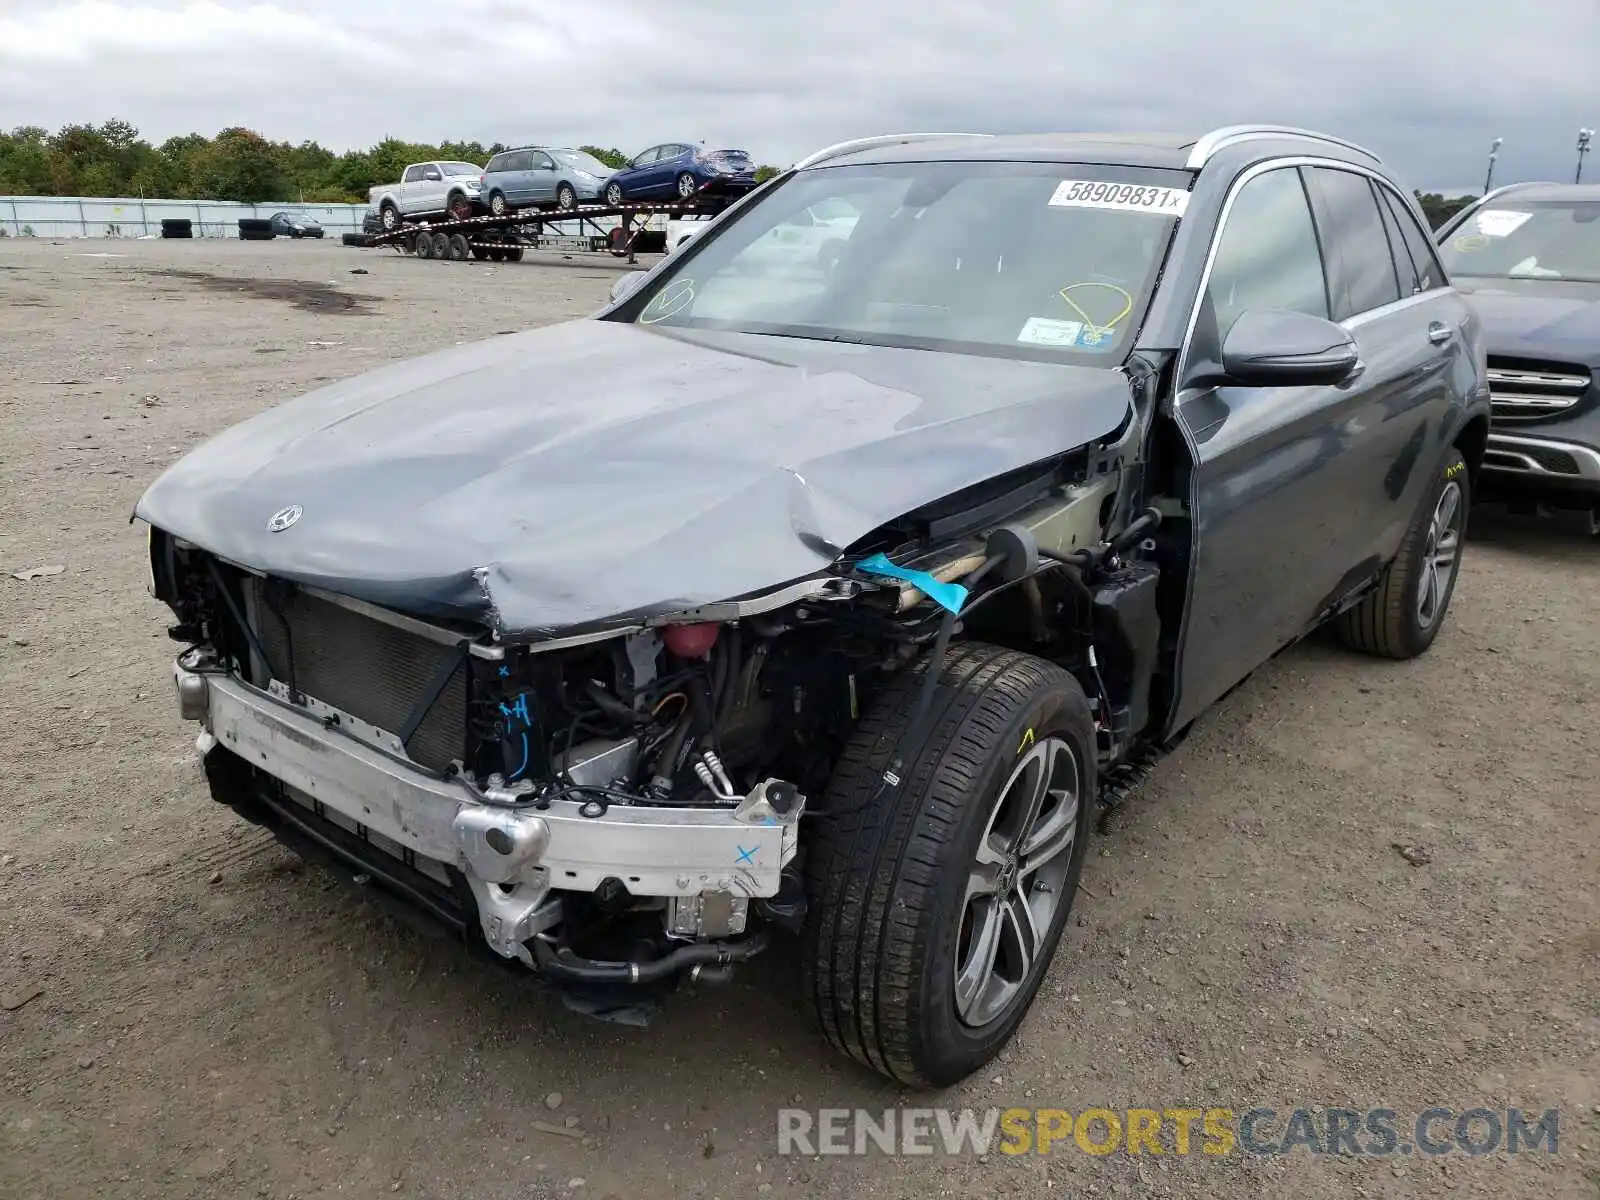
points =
(594, 472)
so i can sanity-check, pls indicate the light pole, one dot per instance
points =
(1488, 179)
(1585, 136)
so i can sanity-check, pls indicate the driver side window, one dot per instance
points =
(1267, 255)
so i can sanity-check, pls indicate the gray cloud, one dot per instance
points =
(1426, 86)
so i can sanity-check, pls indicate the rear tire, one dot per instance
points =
(897, 909)
(614, 195)
(424, 245)
(389, 217)
(513, 253)
(460, 248)
(1402, 615)
(688, 185)
(498, 205)
(440, 245)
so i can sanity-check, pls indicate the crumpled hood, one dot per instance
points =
(593, 472)
(1538, 318)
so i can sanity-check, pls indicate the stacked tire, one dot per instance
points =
(354, 239)
(255, 229)
(177, 227)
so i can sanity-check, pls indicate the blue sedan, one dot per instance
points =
(677, 170)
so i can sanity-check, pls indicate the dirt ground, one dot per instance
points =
(185, 1011)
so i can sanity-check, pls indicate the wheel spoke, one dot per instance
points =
(978, 970)
(1021, 937)
(1052, 837)
(982, 880)
(1033, 785)
(1448, 503)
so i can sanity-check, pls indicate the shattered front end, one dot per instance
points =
(616, 808)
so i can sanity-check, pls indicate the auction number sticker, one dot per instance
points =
(1123, 197)
(1501, 222)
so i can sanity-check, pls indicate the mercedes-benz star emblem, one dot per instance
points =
(284, 518)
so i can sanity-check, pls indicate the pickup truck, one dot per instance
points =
(428, 189)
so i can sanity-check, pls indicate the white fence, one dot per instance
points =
(118, 216)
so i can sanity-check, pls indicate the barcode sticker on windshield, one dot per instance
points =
(1500, 222)
(1124, 197)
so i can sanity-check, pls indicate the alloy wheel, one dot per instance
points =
(1015, 885)
(1440, 554)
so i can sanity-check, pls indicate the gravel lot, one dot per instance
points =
(187, 1011)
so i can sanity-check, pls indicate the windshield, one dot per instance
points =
(1027, 260)
(1545, 240)
(461, 169)
(581, 161)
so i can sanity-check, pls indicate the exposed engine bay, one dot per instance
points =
(625, 806)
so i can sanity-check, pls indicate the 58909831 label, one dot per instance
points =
(1124, 197)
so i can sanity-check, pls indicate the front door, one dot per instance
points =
(541, 178)
(427, 195)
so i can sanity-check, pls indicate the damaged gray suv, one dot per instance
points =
(816, 590)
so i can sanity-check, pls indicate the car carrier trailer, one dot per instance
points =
(504, 238)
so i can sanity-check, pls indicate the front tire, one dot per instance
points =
(566, 198)
(1402, 615)
(936, 906)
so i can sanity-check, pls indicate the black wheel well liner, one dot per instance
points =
(1473, 441)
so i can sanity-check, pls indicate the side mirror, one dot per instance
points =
(626, 284)
(1277, 348)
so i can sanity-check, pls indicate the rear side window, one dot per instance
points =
(497, 163)
(1355, 243)
(1267, 253)
(1430, 274)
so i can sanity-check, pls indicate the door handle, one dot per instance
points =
(1439, 333)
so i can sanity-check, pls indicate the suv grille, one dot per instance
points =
(373, 671)
(1531, 391)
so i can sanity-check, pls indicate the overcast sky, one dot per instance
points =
(1426, 85)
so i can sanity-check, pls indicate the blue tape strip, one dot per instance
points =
(949, 596)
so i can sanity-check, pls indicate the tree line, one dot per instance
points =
(237, 164)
